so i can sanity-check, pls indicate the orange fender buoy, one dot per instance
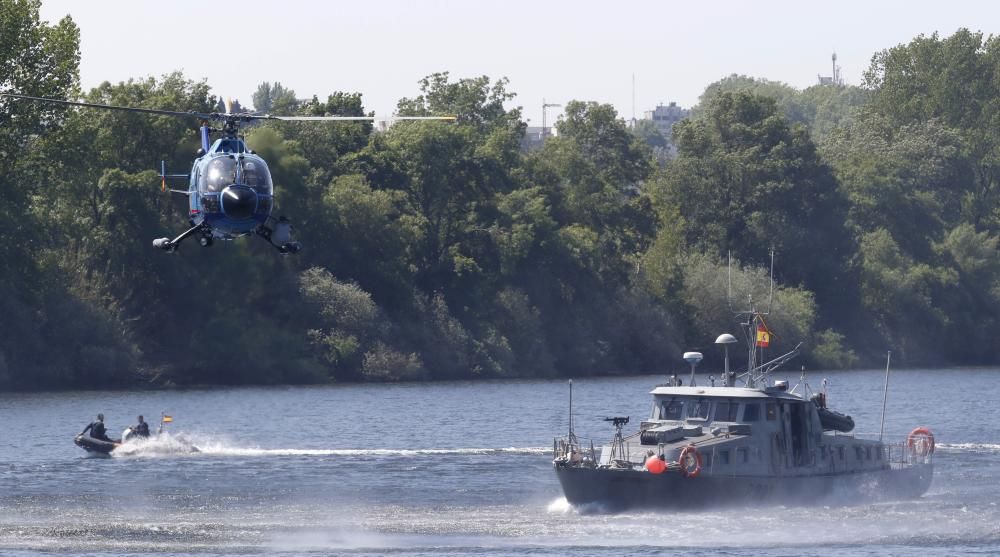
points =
(920, 441)
(690, 461)
(655, 466)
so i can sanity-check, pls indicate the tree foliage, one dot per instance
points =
(441, 250)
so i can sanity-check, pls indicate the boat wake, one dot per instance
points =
(171, 445)
(970, 447)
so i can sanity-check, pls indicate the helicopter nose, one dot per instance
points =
(239, 202)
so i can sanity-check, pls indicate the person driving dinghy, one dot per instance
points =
(97, 429)
(140, 429)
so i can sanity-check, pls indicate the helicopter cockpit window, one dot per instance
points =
(217, 174)
(256, 175)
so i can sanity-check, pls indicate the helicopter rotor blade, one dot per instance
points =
(202, 115)
(228, 115)
(351, 118)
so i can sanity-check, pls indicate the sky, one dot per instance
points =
(552, 50)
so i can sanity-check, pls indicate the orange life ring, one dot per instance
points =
(690, 461)
(920, 441)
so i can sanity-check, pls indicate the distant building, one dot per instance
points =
(534, 139)
(665, 116)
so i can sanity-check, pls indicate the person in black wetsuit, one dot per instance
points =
(97, 429)
(141, 429)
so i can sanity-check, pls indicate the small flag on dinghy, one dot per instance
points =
(167, 419)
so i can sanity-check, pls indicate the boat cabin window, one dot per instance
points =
(859, 452)
(772, 412)
(727, 411)
(743, 454)
(672, 409)
(217, 174)
(699, 408)
(724, 457)
(751, 412)
(840, 452)
(254, 173)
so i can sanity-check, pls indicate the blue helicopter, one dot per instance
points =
(230, 192)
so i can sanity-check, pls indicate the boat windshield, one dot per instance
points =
(680, 407)
(672, 409)
(699, 408)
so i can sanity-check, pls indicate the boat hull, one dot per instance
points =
(95, 446)
(618, 489)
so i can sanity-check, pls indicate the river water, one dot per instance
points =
(458, 468)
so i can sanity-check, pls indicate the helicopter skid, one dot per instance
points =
(170, 246)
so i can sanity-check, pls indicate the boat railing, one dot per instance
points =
(574, 452)
(900, 454)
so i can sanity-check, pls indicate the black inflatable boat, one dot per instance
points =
(98, 446)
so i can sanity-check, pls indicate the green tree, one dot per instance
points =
(37, 60)
(820, 108)
(746, 182)
(274, 99)
(904, 297)
(953, 80)
(910, 180)
(648, 132)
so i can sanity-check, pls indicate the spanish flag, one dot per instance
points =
(763, 335)
(167, 419)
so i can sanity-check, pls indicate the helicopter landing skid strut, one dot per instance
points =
(170, 246)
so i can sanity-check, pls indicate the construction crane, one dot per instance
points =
(545, 105)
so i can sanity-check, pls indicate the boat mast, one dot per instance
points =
(757, 373)
(885, 393)
(571, 438)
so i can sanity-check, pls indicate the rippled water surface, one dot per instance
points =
(449, 469)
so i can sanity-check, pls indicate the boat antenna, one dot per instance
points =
(770, 294)
(692, 358)
(729, 288)
(885, 393)
(572, 436)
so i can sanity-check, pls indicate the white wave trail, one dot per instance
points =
(222, 450)
(166, 445)
(974, 447)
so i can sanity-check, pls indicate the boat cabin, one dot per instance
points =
(745, 431)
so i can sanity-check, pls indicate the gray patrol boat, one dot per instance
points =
(756, 444)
